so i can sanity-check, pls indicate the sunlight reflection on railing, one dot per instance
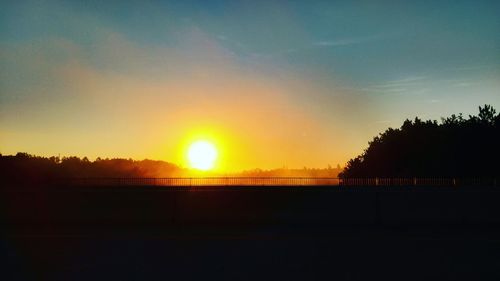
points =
(278, 181)
(205, 181)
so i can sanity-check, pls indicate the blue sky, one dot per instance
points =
(360, 40)
(355, 67)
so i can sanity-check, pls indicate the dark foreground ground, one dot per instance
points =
(249, 233)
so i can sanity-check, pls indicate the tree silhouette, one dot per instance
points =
(29, 169)
(457, 147)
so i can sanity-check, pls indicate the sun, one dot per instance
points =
(202, 155)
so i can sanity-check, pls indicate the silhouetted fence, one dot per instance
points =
(278, 181)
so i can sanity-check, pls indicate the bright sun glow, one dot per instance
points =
(202, 155)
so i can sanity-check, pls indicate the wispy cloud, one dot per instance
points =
(474, 67)
(344, 41)
(402, 85)
(409, 80)
(465, 84)
(314, 45)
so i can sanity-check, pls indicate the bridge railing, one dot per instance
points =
(203, 181)
(277, 181)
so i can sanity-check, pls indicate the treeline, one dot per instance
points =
(455, 147)
(24, 167)
(328, 172)
(27, 168)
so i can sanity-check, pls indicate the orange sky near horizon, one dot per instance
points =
(261, 127)
(267, 119)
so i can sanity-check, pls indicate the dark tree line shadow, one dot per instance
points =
(455, 147)
(24, 167)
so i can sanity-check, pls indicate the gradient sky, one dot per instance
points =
(272, 83)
